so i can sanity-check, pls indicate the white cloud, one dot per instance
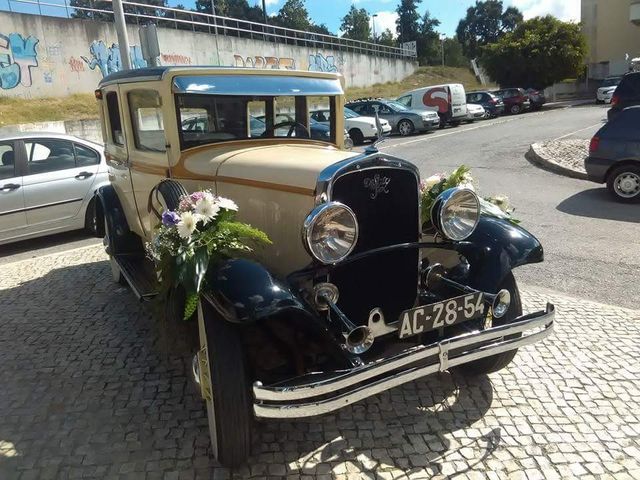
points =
(566, 10)
(384, 19)
(271, 2)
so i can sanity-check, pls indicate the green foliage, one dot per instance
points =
(407, 23)
(232, 8)
(293, 14)
(428, 43)
(386, 38)
(453, 55)
(486, 22)
(355, 24)
(108, 17)
(538, 53)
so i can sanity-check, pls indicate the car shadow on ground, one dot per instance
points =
(47, 242)
(598, 203)
(95, 383)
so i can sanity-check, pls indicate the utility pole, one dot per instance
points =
(215, 28)
(264, 10)
(121, 30)
(442, 38)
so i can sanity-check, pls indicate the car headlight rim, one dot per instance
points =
(319, 214)
(440, 216)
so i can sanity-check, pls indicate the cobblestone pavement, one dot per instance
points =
(563, 156)
(92, 384)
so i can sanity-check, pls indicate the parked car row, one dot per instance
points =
(614, 151)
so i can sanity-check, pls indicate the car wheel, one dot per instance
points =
(624, 183)
(599, 101)
(116, 273)
(357, 136)
(91, 218)
(405, 127)
(224, 386)
(498, 362)
(515, 109)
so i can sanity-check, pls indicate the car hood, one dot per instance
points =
(295, 165)
(606, 89)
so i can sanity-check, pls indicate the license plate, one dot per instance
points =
(441, 314)
(455, 110)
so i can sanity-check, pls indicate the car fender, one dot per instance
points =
(496, 247)
(109, 210)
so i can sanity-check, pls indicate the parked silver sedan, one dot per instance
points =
(47, 184)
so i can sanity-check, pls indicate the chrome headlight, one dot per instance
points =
(330, 232)
(456, 213)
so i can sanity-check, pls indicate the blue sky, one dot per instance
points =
(330, 12)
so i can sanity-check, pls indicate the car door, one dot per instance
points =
(55, 186)
(13, 218)
(384, 111)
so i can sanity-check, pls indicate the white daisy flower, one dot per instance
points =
(227, 204)
(432, 180)
(187, 224)
(206, 208)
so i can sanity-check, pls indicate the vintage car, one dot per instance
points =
(351, 298)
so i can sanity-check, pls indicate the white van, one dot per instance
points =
(450, 101)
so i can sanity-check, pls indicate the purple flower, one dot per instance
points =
(195, 196)
(170, 218)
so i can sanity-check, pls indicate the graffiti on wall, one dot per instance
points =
(320, 63)
(175, 59)
(17, 57)
(76, 65)
(259, 61)
(108, 59)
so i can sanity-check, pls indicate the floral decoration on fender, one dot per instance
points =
(497, 205)
(202, 230)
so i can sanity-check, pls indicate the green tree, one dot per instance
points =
(108, 17)
(428, 42)
(538, 53)
(486, 22)
(232, 8)
(355, 24)
(322, 28)
(407, 23)
(293, 14)
(386, 38)
(453, 55)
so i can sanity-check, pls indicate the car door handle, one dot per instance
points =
(84, 175)
(10, 186)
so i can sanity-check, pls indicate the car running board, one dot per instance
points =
(139, 273)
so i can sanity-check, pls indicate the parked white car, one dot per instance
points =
(448, 101)
(475, 112)
(605, 92)
(359, 128)
(47, 184)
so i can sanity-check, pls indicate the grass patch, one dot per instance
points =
(73, 107)
(81, 106)
(423, 77)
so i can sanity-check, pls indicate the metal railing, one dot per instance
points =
(167, 17)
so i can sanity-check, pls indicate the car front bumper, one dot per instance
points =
(319, 393)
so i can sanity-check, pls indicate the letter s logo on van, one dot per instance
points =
(437, 97)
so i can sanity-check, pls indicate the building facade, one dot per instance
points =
(612, 28)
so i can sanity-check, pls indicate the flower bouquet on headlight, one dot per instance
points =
(432, 187)
(202, 230)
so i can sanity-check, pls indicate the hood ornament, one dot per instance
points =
(378, 184)
(373, 148)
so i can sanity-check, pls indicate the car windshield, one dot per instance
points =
(397, 106)
(207, 119)
(611, 82)
(348, 113)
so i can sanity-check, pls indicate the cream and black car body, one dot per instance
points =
(353, 297)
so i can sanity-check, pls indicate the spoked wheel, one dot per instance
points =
(405, 127)
(624, 183)
(498, 362)
(219, 367)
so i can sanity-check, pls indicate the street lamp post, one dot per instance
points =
(121, 32)
(442, 39)
(373, 24)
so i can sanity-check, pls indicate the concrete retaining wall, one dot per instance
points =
(49, 56)
(88, 129)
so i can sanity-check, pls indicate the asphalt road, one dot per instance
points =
(591, 242)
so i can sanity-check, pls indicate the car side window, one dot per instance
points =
(85, 156)
(115, 124)
(383, 109)
(49, 155)
(406, 100)
(7, 160)
(145, 107)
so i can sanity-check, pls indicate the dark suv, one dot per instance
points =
(626, 95)
(491, 103)
(515, 100)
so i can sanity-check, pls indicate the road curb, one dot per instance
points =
(534, 157)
